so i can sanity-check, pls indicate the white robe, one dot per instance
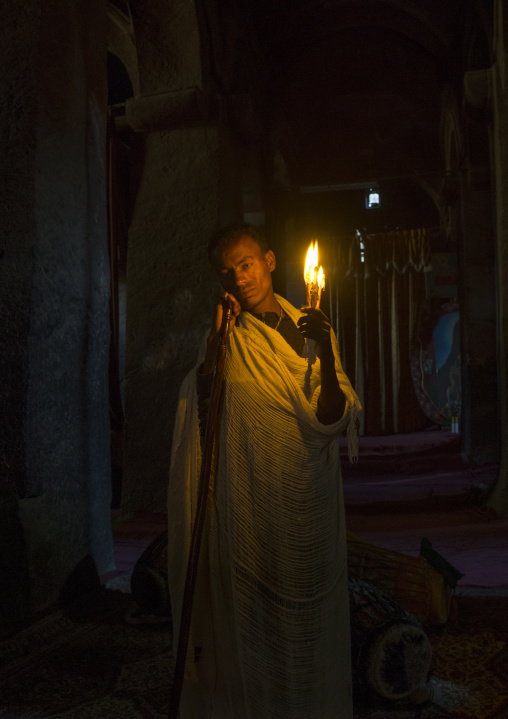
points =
(270, 612)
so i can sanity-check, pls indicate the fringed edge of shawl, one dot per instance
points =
(353, 435)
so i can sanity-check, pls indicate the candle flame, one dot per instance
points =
(314, 277)
(311, 263)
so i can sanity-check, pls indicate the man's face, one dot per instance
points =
(245, 272)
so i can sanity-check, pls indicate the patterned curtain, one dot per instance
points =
(376, 291)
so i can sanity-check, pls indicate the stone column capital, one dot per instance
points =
(192, 106)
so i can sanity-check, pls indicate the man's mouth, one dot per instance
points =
(244, 294)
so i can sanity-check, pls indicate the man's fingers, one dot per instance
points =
(236, 308)
(318, 336)
(219, 310)
(314, 325)
(314, 312)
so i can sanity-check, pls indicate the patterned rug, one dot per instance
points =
(104, 662)
(94, 665)
(469, 671)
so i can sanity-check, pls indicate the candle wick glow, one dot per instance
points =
(314, 276)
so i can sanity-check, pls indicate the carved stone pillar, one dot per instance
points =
(188, 157)
(499, 497)
(477, 262)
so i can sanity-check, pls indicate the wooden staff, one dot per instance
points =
(197, 530)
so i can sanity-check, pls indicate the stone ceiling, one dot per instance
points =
(356, 85)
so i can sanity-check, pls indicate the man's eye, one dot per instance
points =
(247, 265)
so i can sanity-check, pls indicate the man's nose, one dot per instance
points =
(239, 278)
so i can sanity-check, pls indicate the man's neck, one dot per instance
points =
(269, 304)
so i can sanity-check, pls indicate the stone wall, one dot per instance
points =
(55, 292)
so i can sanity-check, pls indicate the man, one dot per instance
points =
(270, 624)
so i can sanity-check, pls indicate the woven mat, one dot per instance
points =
(100, 665)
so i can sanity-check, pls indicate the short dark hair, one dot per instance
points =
(231, 233)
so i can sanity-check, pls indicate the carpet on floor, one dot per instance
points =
(469, 670)
(95, 661)
(105, 662)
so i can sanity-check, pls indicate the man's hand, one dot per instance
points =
(315, 325)
(213, 338)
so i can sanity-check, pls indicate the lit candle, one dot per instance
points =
(314, 277)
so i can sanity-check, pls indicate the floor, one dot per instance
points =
(403, 488)
(406, 487)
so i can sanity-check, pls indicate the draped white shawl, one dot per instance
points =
(270, 613)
